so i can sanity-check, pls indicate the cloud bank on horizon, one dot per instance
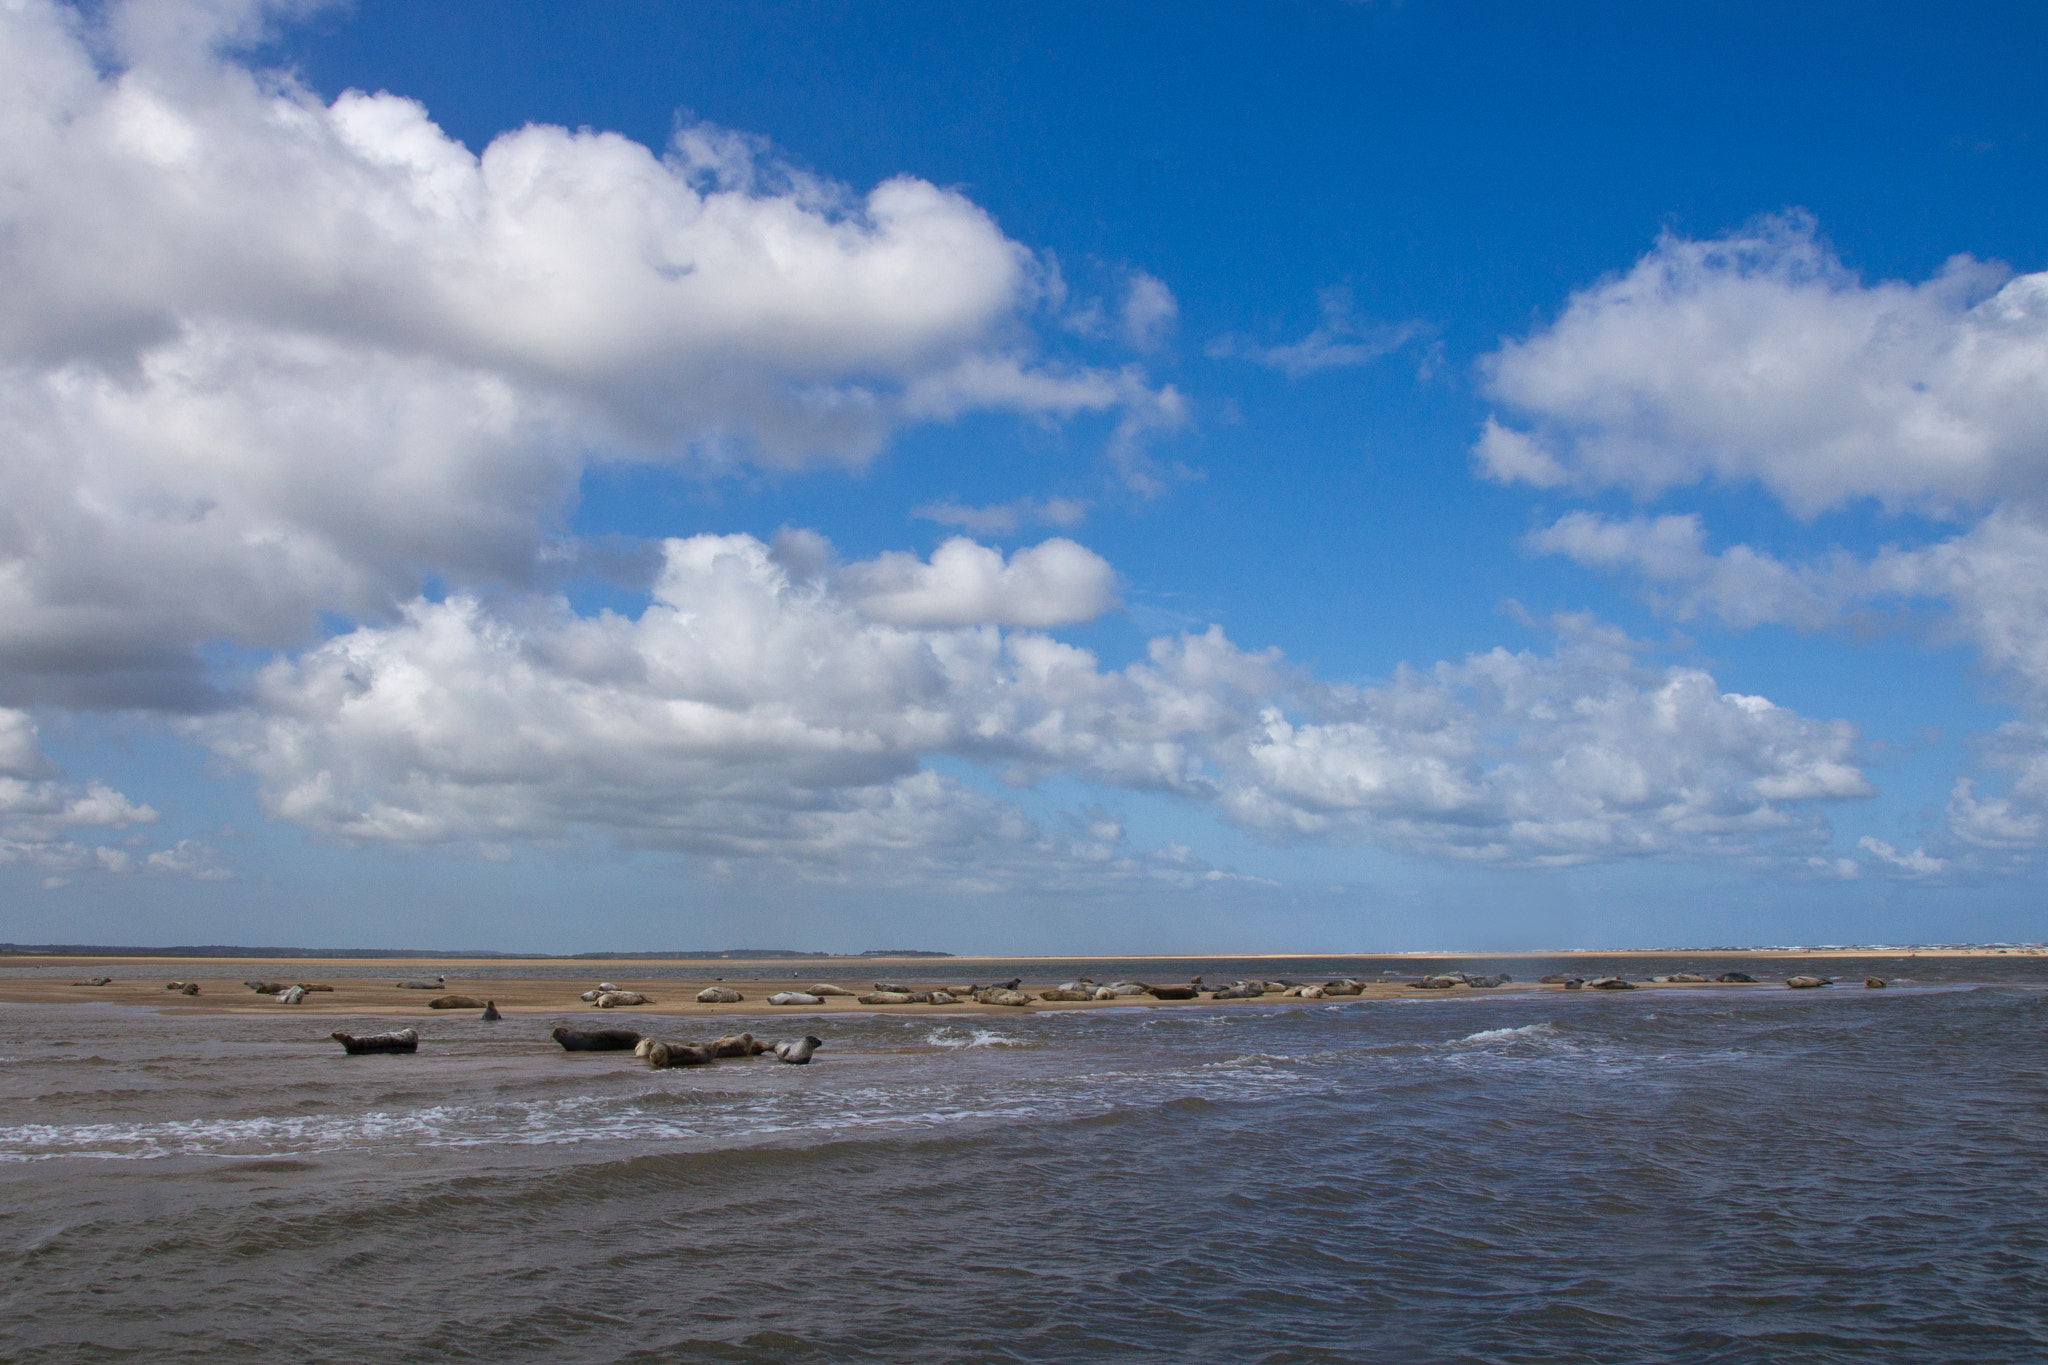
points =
(299, 395)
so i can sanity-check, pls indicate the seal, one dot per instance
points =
(596, 1039)
(267, 987)
(1001, 995)
(664, 1056)
(1173, 992)
(607, 1000)
(184, 987)
(291, 995)
(799, 998)
(455, 1002)
(439, 983)
(877, 998)
(96, 981)
(798, 1053)
(490, 1013)
(827, 988)
(1063, 993)
(1736, 979)
(1610, 983)
(738, 1045)
(1875, 983)
(719, 995)
(1807, 983)
(404, 1040)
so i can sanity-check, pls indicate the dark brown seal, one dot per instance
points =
(596, 1039)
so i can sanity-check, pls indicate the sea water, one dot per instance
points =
(1710, 1174)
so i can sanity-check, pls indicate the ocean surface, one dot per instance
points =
(1715, 1174)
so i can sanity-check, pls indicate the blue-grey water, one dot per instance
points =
(1715, 1174)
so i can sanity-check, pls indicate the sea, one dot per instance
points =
(1740, 1173)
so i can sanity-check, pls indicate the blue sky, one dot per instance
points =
(1317, 476)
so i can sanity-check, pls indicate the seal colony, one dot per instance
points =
(495, 996)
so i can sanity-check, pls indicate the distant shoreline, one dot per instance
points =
(10, 956)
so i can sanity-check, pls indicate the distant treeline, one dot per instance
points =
(234, 950)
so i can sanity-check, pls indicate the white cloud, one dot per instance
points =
(1759, 357)
(41, 811)
(1917, 863)
(1149, 312)
(1004, 517)
(265, 356)
(760, 707)
(1341, 339)
(1990, 583)
(1053, 584)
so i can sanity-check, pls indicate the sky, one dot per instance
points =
(1315, 476)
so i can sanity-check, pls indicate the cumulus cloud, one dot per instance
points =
(762, 706)
(41, 813)
(266, 355)
(1759, 358)
(1053, 584)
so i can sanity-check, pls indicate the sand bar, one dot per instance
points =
(142, 982)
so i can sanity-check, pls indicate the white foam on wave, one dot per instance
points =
(1508, 1035)
(980, 1037)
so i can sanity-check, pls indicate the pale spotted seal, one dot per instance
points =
(719, 995)
(404, 1040)
(798, 1053)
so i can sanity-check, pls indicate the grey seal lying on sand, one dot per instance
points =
(96, 981)
(663, 1056)
(796, 998)
(1807, 983)
(1001, 995)
(798, 1053)
(1174, 992)
(404, 1040)
(455, 1002)
(719, 995)
(184, 987)
(595, 1039)
(613, 999)
(439, 983)
(1610, 983)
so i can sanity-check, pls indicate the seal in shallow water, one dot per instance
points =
(663, 1056)
(738, 1045)
(798, 1053)
(491, 1011)
(404, 1040)
(595, 1039)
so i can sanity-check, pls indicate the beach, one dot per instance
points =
(1513, 1175)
